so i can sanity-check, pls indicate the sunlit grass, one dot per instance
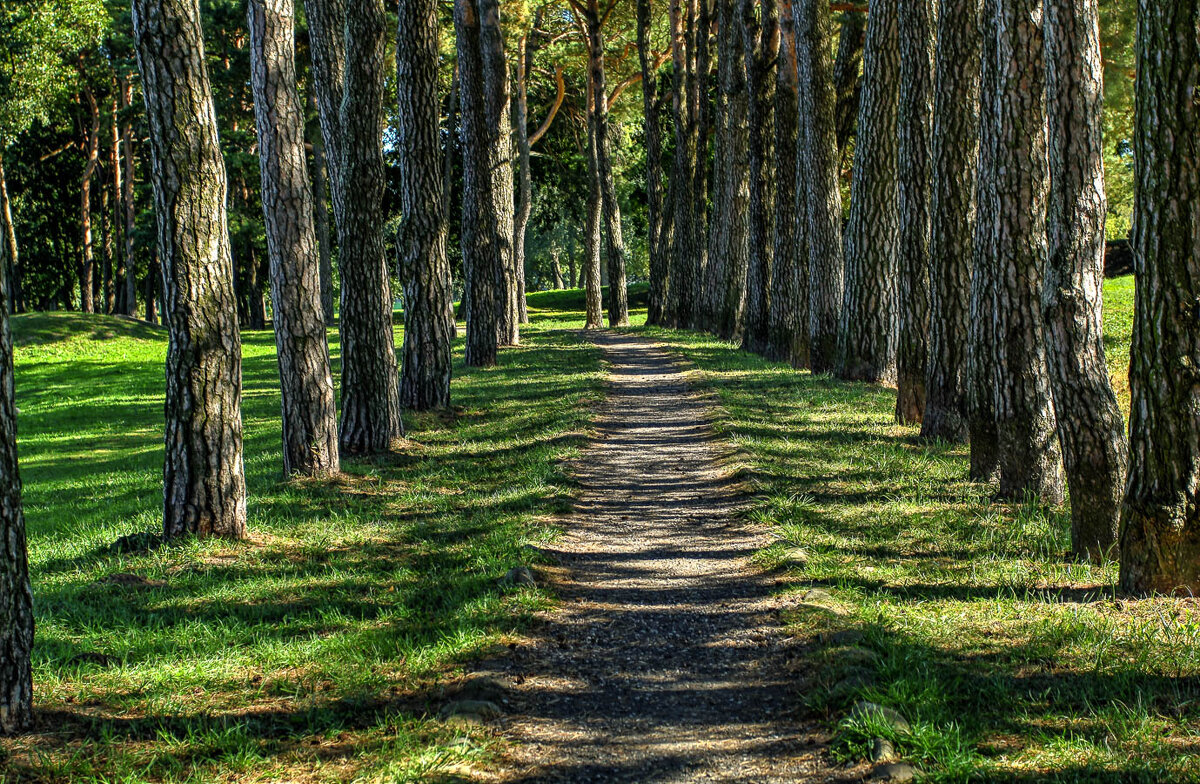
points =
(1010, 661)
(314, 651)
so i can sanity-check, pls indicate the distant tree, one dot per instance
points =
(760, 41)
(497, 103)
(424, 266)
(1160, 517)
(204, 481)
(480, 240)
(818, 156)
(847, 73)
(789, 285)
(915, 172)
(685, 268)
(981, 332)
(867, 331)
(955, 159)
(1030, 459)
(310, 434)
(16, 597)
(654, 194)
(1090, 427)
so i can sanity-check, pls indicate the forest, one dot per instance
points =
(599, 390)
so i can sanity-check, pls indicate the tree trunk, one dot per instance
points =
(498, 105)
(847, 74)
(448, 187)
(593, 309)
(424, 266)
(789, 286)
(761, 44)
(981, 334)
(915, 131)
(1030, 460)
(556, 270)
(16, 597)
(482, 264)
(618, 301)
(204, 481)
(370, 385)
(129, 199)
(654, 199)
(107, 227)
(700, 132)
(1160, 517)
(327, 47)
(955, 157)
(153, 281)
(867, 333)
(320, 178)
(525, 180)
(682, 276)
(114, 263)
(310, 435)
(92, 156)
(12, 252)
(819, 157)
(1090, 427)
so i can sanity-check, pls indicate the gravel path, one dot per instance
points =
(667, 661)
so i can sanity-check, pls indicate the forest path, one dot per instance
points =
(667, 660)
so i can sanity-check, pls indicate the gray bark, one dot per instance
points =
(654, 196)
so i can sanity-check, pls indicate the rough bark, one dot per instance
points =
(1090, 427)
(1030, 460)
(480, 242)
(684, 269)
(951, 244)
(87, 262)
(700, 130)
(867, 332)
(370, 386)
(760, 40)
(593, 306)
(152, 284)
(915, 132)
(789, 286)
(320, 182)
(981, 334)
(819, 157)
(128, 199)
(654, 174)
(16, 597)
(310, 434)
(618, 299)
(497, 105)
(327, 47)
(204, 481)
(424, 266)
(847, 74)
(1160, 517)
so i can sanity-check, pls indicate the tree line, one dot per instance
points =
(965, 268)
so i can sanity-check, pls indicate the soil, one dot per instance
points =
(667, 659)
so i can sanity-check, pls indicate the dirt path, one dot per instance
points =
(667, 661)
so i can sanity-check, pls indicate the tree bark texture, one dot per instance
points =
(370, 384)
(1030, 459)
(915, 172)
(1160, 517)
(87, 262)
(847, 74)
(310, 435)
(16, 597)
(981, 334)
(701, 131)
(654, 175)
(788, 318)
(1091, 429)
(867, 332)
(424, 265)
(482, 264)
(204, 481)
(592, 285)
(818, 156)
(685, 257)
(497, 105)
(327, 47)
(760, 35)
(951, 243)
(320, 181)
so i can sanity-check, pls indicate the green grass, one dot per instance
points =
(1012, 662)
(317, 650)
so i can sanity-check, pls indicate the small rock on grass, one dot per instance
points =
(519, 577)
(882, 750)
(490, 688)
(483, 709)
(128, 580)
(894, 771)
(890, 716)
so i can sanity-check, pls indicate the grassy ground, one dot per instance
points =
(1011, 662)
(315, 651)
